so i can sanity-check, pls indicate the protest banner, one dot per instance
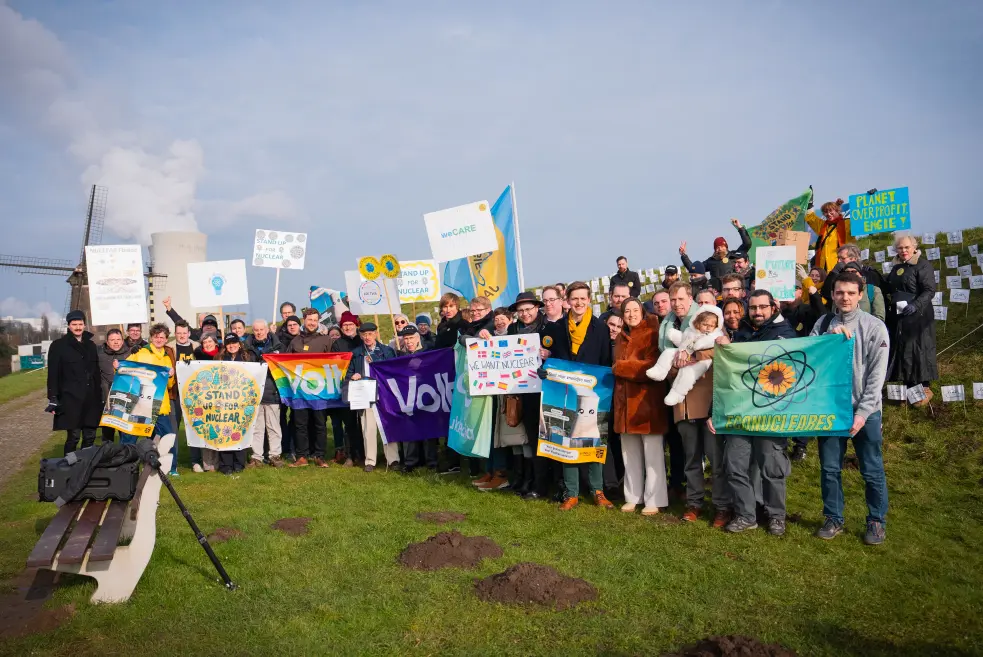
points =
(371, 297)
(217, 283)
(281, 250)
(220, 401)
(576, 409)
(418, 281)
(885, 211)
(415, 394)
(504, 365)
(309, 380)
(135, 398)
(784, 387)
(462, 231)
(776, 271)
(116, 290)
(791, 215)
(470, 428)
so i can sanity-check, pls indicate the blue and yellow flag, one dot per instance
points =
(800, 387)
(498, 274)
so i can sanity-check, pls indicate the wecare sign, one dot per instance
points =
(460, 232)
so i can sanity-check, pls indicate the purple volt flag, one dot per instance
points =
(415, 395)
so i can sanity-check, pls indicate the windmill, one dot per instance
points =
(78, 296)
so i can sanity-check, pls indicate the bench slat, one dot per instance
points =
(43, 553)
(104, 547)
(81, 537)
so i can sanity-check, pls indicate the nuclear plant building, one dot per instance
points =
(170, 254)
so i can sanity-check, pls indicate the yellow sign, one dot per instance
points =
(390, 266)
(369, 268)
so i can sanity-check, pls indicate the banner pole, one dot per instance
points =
(221, 322)
(518, 244)
(276, 293)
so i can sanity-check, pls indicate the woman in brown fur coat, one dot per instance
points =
(640, 416)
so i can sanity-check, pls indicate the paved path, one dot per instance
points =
(24, 428)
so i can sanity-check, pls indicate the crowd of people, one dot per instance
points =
(660, 351)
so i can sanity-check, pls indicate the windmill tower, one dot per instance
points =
(78, 294)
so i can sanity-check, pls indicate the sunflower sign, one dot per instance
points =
(220, 401)
(789, 388)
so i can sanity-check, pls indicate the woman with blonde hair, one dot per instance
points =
(911, 318)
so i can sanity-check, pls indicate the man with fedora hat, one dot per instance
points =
(371, 351)
(74, 386)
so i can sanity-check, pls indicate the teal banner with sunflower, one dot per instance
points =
(801, 387)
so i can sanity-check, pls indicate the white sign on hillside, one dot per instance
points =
(419, 281)
(928, 238)
(955, 237)
(217, 283)
(370, 297)
(776, 271)
(274, 248)
(116, 291)
(460, 232)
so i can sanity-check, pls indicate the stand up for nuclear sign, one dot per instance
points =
(461, 232)
(279, 250)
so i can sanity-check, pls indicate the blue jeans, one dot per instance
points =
(867, 444)
(162, 428)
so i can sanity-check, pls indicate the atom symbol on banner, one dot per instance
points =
(778, 377)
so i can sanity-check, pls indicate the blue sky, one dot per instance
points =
(627, 127)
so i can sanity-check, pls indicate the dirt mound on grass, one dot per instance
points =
(292, 526)
(733, 646)
(449, 550)
(441, 517)
(222, 534)
(22, 610)
(532, 583)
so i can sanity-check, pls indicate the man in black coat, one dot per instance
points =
(74, 387)
(625, 276)
(721, 262)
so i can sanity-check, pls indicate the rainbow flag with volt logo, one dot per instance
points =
(309, 380)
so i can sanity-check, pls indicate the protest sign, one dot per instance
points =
(886, 267)
(135, 398)
(865, 254)
(471, 417)
(974, 250)
(415, 395)
(891, 251)
(958, 296)
(309, 380)
(371, 297)
(784, 387)
(954, 237)
(362, 394)
(217, 283)
(941, 313)
(937, 299)
(933, 254)
(895, 392)
(965, 270)
(576, 408)
(116, 289)
(884, 211)
(273, 248)
(879, 256)
(936, 273)
(954, 393)
(977, 390)
(979, 260)
(220, 401)
(976, 282)
(504, 365)
(776, 271)
(952, 262)
(928, 238)
(954, 282)
(462, 231)
(418, 281)
(915, 394)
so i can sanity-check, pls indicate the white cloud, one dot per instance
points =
(20, 309)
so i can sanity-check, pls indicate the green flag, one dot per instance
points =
(798, 387)
(788, 216)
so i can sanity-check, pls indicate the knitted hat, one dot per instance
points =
(349, 316)
(422, 318)
(697, 268)
(292, 318)
(720, 241)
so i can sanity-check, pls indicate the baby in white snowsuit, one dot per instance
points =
(702, 333)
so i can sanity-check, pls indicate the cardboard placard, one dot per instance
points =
(937, 299)
(895, 392)
(965, 270)
(977, 390)
(884, 211)
(976, 282)
(798, 239)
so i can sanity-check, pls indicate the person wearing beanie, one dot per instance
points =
(427, 337)
(75, 396)
(209, 324)
(400, 321)
(697, 278)
(721, 262)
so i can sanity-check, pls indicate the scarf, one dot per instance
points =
(208, 352)
(578, 331)
(840, 225)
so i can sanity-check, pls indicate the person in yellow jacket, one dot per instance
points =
(157, 353)
(832, 230)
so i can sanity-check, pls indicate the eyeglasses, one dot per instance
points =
(758, 307)
(732, 289)
(400, 322)
(556, 300)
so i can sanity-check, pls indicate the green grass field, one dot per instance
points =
(340, 590)
(21, 383)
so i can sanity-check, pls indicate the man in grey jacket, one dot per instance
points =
(870, 359)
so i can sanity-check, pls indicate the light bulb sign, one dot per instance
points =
(217, 283)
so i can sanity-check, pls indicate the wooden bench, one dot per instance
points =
(84, 536)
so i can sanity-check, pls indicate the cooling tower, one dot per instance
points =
(171, 253)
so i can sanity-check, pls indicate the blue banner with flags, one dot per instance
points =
(498, 274)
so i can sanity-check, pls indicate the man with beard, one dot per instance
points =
(720, 263)
(626, 277)
(310, 421)
(74, 386)
(616, 297)
(672, 275)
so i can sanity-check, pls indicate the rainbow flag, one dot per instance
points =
(309, 380)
